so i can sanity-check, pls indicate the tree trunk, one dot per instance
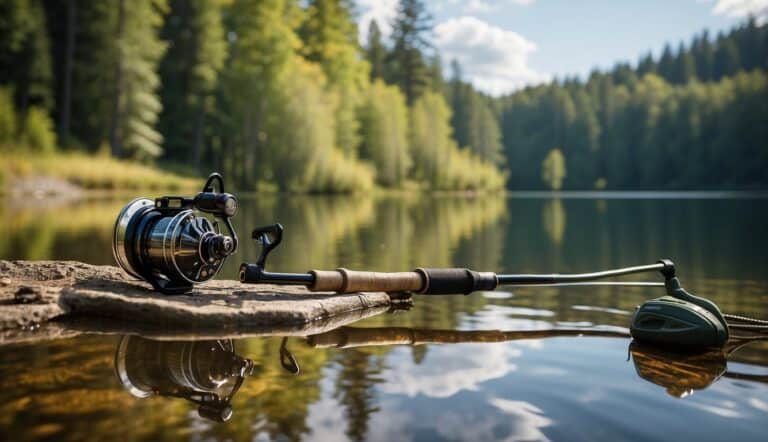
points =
(199, 129)
(66, 104)
(115, 133)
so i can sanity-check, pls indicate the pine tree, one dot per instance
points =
(727, 61)
(409, 43)
(685, 66)
(136, 104)
(93, 67)
(646, 65)
(376, 52)
(459, 105)
(666, 66)
(704, 56)
(190, 71)
(25, 59)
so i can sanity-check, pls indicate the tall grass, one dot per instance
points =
(93, 172)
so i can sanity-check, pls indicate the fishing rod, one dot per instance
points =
(170, 243)
(679, 318)
(443, 281)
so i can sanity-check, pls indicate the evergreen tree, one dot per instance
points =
(93, 69)
(704, 57)
(410, 40)
(190, 73)
(436, 81)
(685, 66)
(136, 104)
(484, 138)
(475, 125)
(646, 65)
(727, 61)
(25, 59)
(376, 52)
(459, 105)
(666, 66)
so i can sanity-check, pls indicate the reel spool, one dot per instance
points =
(168, 245)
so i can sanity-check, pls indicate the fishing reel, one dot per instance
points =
(679, 318)
(207, 373)
(167, 244)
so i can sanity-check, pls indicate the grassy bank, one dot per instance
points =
(91, 172)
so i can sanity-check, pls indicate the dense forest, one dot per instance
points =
(279, 94)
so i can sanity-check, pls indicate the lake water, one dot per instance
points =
(489, 366)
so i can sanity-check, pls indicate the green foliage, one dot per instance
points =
(280, 96)
(306, 158)
(553, 169)
(438, 161)
(646, 135)
(139, 50)
(25, 59)
(675, 123)
(384, 126)
(95, 172)
(329, 35)
(376, 52)
(476, 126)
(294, 143)
(190, 72)
(409, 68)
(38, 134)
(7, 118)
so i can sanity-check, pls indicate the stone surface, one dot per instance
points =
(57, 288)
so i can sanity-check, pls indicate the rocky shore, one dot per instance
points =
(35, 292)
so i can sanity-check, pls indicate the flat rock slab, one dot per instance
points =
(36, 291)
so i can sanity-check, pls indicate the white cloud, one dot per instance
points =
(383, 11)
(742, 8)
(477, 6)
(529, 419)
(448, 369)
(493, 59)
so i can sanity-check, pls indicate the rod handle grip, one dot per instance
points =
(456, 281)
(351, 281)
(423, 281)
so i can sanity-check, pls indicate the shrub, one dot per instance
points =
(38, 131)
(7, 117)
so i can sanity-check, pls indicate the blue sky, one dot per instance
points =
(506, 44)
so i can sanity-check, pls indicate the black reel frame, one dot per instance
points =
(223, 206)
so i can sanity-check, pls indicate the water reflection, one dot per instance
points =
(681, 373)
(206, 373)
(365, 373)
(386, 385)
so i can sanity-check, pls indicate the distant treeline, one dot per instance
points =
(279, 94)
(696, 118)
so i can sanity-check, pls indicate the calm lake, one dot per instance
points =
(489, 366)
